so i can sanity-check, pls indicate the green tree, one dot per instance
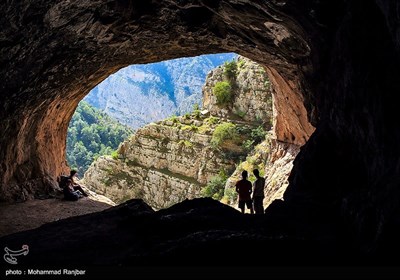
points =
(224, 131)
(92, 133)
(230, 70)
(223, 92)
(258, 134)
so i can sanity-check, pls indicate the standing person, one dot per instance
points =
(75, 185)
(244, 189)
(258, 192)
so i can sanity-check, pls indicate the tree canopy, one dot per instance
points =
(92, 133)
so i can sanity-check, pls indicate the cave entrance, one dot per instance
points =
(178, 100)
(132, 97)
(75, 47)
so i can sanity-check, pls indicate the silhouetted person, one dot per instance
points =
(75, 185)
(244, 189)
(258, 192)
(69, 192)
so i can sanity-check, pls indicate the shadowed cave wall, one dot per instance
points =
(337, 61)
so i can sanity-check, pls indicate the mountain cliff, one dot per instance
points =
(180, 157)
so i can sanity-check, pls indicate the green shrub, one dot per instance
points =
(197, 114)
(248, 145)
(230, 70)
(211, 120)
(241, 114)
(223, 132)
(231, 195)
(191, 127)
(114, 154)
(215, 188)
(185, 143)
(240, 64)
(267, 84)
(203, 129)
(173, 118)
(258, 134)
(223, 92)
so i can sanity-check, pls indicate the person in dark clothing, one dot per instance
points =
(258, 192)
(244, 189)
(75, 185)
(69, 192)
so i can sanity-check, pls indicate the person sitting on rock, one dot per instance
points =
(75, 185)
(69, 192)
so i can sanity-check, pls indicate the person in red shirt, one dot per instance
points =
(244, 189)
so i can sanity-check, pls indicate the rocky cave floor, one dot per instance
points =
(30, 214)
(202, 232)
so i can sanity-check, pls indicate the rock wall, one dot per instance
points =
(287, 121)
(163, 163)
(278, 168)
(274, 159)
(122, 181)
(249, 101)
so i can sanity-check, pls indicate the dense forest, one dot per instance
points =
(92, 133)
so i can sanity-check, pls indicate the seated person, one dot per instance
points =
(70, 193)
(75, 185)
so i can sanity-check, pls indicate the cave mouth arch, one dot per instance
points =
(135, 96)
(72, 58)
(124, 80)
(341, 59)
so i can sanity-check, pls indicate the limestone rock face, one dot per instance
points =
(290, 116)
(121, 182)
(180, 150)
(163, 163)
(278, 168)
(251, 100)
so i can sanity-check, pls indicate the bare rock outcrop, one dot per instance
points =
(251, 97)
(163, 163)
